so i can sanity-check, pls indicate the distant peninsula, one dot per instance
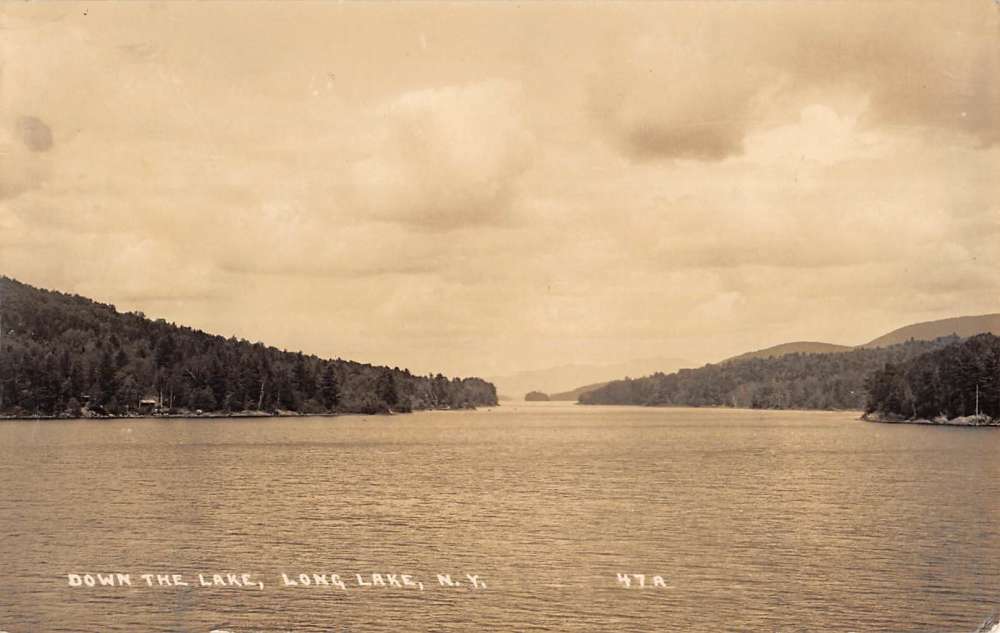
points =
(536, 396)
(949, 380)
(66, 356)
(825, 381)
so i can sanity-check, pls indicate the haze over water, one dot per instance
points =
(757, 521)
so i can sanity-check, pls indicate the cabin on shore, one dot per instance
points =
(149, 405)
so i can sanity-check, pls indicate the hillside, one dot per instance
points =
(775, 383)
(574, 394)
(929, 330)
(792, 381)
(797, 347)
(63, 354)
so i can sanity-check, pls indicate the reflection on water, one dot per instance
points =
(755, 521)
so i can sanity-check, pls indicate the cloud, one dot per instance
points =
(667, 96)
(445, 158)
(24, 165)
(698, 86)
(35, 135)
(334, 251)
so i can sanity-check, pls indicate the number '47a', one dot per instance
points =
(641, 581)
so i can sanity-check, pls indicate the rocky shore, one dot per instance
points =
(968, 420)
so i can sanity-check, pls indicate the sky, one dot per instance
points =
(483, 188)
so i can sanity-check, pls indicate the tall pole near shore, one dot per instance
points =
(2, 381)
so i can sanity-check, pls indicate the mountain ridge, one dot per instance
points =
(963, 326)
(794, 347)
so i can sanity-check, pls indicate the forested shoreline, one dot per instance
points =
(958, 382)
(63, 355)
(945, 381)
(818, 381)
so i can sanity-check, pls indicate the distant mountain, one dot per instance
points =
(66, 355)
(574, 395)
(963, 327)
(568, 377)
(798, 347)
(928, 331)
(536, 396)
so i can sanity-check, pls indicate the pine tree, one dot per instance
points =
(329, 389)
(107, 381)
(386, 388)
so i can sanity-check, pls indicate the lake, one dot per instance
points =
(751, 520)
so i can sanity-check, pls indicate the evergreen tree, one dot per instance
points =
(108, 383)
(329, 389)
(386, 388)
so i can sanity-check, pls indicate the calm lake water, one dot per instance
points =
(756, 521)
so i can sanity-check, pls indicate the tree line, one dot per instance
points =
(833, 380)
(956, 381)
(63, 354)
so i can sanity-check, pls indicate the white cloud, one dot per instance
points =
(445, 158)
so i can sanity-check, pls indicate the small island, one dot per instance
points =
(536, 396)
